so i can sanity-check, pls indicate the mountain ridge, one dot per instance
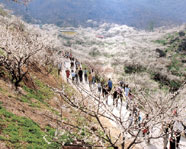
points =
(140, 14)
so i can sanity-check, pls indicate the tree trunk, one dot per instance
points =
(17, 82)
(123, 143)
(16, 85)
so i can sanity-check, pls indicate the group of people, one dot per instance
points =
(118, 92)
(172, 133)
(105, 88)
(78, 74)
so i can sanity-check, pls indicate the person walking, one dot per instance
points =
(85, 74)
(121, 83)
(99, 88)
(166, 135)
(93, 77)
(73, 74)
(70, 54)
(80, 73)
(77, 63)
(127, 89)
(103, 90)
(139, 119)
(59, 66)
(105, 93)
(178, 129)
(178, 137)
(102, 83)
(115, 97)
(72, 64)
(90, 80)
(109, 85)
(67, 55)
(76, 75)
(67, 74)
(172, 142)
(120, 95)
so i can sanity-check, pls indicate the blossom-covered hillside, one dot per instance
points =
(146, 59)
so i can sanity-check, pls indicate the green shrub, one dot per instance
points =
(3, 12)
(173, 85)
(175, 66)
(94, 53)
(134, 69)
(162, 42)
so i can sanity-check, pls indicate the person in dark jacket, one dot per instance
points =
(109, 85)
(76, 75)
(178, 137)
(80, 73)
(115, 97)
(105, 93)
(172, 143)
(72, 64)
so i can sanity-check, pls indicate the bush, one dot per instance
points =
(162, 42)
(134, 69)
(164, 81)
(94, 52)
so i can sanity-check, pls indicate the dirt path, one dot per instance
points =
(155, 144)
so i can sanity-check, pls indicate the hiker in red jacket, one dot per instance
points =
(67, 74)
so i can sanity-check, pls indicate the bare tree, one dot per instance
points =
(154, 112)
(19, 44)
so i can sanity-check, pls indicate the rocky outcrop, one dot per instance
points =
(182, 46)
(174, 40)
(161, 53)
(174, 85)
(181, 33)
(183, 61)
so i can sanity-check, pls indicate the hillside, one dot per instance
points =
(41, 107)
(32, 113)
(32, 117)
(153, 60)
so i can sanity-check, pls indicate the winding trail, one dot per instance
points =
(119, 111)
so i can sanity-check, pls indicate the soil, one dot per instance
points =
(43, 115)
(3, 145)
